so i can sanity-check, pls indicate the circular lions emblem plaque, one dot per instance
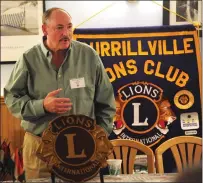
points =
(74, 148)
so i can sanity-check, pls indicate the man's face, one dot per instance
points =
(58, 30)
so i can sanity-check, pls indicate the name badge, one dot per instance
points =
(77, 83)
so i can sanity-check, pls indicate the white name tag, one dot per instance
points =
(77, 83)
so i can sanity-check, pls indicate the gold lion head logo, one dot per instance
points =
(104, 146)
(166, 117)
(118, 124)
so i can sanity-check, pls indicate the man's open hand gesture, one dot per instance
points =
(53, 104)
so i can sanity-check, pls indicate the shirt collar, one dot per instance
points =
(46, 51)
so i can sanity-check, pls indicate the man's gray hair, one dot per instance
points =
(47, 14)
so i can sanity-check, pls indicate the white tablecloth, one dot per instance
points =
(138, 178)
(170, 177)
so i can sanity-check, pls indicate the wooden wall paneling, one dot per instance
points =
(10, 127)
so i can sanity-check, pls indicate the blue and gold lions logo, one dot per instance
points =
(141, 113)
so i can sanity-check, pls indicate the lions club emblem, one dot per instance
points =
(184, 99)
(74, 148)
(142, 114)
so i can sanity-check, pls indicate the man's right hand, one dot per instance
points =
(53, 104)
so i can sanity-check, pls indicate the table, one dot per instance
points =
(170, 177)
(138, 178)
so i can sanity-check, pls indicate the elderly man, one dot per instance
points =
(60, 76)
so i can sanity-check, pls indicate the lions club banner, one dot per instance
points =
(156, 75)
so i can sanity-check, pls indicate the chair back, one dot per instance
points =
(186, 150)
(127, 151)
